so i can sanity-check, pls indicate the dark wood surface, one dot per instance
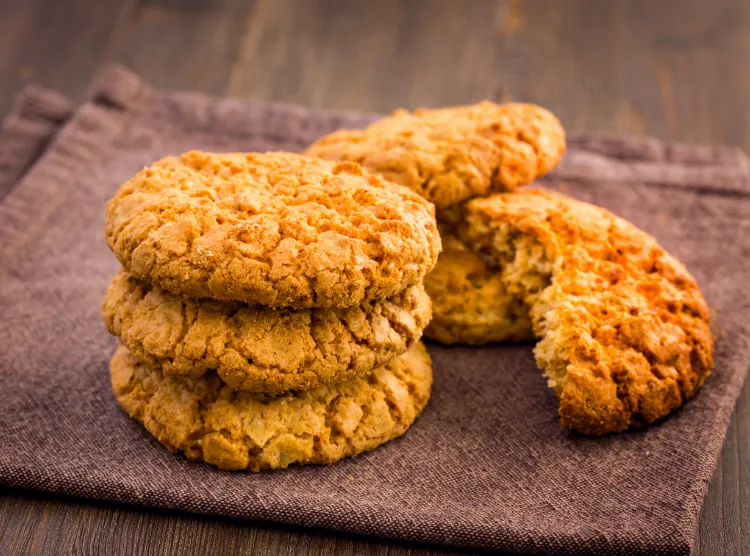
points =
(675, 69)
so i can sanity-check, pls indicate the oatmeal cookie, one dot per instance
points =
(208, 420)
(623, 327)
(470, 304)
(448, 155)
(259, 348)
(275, 229)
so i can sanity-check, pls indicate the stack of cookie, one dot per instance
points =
(270, 307)
(622, 328)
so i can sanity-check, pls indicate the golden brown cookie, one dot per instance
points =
(276, 229)
(470, 304)
(209, 421)
(259, 348)
(449, 155)
(623, 327)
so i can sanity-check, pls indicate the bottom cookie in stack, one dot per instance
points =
(208, 420)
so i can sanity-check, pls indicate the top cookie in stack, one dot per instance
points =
(274, 229)
(275, 274)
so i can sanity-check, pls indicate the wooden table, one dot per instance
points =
(675, 69)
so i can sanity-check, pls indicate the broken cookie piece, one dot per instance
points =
(471, 304)
(623, 328)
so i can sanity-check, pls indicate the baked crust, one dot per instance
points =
(275, 229)
(448, 155)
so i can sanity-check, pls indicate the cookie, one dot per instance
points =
(623, 327)
(449, 155)
(208, 420)
(259, 348)
(275, 229)
(470, 304)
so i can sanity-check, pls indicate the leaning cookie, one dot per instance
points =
(258, 348)
(275, 229)
(207, 420)
(449, 155)
(470, 304)
(623, 327)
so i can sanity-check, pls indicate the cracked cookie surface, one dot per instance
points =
(470, 304)
(259, 348)
(274, 229)
(448, 155)
(207, 420)
(623, 328)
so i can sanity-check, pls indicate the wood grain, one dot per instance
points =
(373, 56)
(677, 69)
(673, 69)
(58, 44)
(181, 45)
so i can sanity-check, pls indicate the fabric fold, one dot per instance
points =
(37, 115)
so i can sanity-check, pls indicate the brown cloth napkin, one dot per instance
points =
(38, 115)
(486, 465)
